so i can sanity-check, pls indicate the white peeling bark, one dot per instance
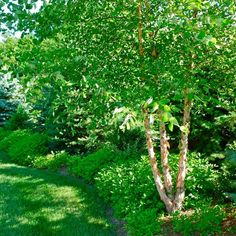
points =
(180, 190)
(153, 163)
(164, 146)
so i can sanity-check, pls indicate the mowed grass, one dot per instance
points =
(35, 202)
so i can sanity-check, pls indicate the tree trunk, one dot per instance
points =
(171, 202)
(153, 163)
(140, 30)
(164, 146)
(180, 191)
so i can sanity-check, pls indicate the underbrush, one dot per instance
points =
(205, 220)
(4, 133)
(9, 138)
(52, 161)
(129, 187)
(88, 167)
(144, 222)
(22, 146)
(124, 180)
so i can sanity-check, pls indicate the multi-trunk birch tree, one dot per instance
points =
(188, 37)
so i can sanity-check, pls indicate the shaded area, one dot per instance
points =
(35, 202)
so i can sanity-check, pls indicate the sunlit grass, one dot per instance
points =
(34, 202)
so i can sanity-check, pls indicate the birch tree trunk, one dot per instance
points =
(171, 202)
(180, 190)
(153, 163)
(164, 146)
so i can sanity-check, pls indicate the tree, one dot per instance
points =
(187, 41)
(8, 103)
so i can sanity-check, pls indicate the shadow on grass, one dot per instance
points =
(35, 202)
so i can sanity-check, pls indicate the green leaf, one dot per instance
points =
(191, 96)
(165, 117)
(167, 108)
(213, 40)
(171, 126)
(174, 121)
(155, 107)
(29, 6)
(148, 102)
(164, 101)
(201, 35)
(210, 40)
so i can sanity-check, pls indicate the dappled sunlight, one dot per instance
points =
(38, 202)
(97, 221)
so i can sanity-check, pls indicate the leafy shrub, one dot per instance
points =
(89, 166)
(4, 133)
(19, 120)
(11, 139)
(202, 180)
(73, 163)
(125, 139)
(52, 161)
(182, 224)
(129, 186)
(205, 221)
(27, 146)
(232, 145)
(143, 223)
(209, 220)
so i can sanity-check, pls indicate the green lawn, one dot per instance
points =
(35, 202)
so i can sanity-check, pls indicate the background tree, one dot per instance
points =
(8, 99)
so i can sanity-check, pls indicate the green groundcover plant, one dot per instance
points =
(129, 185)
(23, 145)
(205, 220)
(53, 161)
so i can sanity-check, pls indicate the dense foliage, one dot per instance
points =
(77, 71)
(85, 74)
(205, 221)
(23, 145)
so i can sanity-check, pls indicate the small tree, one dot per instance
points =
(8, 103)
(188, 41)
